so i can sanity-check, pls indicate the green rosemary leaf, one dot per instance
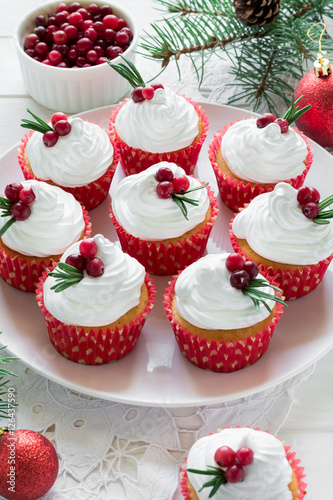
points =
(256, 300)
(66, 277)
(261, 283)
(325, 203)
(213, 472)
(221, 480)
(328, 214)
(129, 72)
(196, 188)
(181, 205)
(134, 70)
(262, 295)
(4, 202)
(6, 226)
(69, 269)
(184, 198)
(320, 221)
(293, 112)
(59, 287)
(40, 121)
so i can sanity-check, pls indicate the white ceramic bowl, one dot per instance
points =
(72, 90)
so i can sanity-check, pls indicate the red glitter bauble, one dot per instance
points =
(317, 123)
(29, 465)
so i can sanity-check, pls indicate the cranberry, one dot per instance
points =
(83, 45)
(95, 267)
(31, 40)
(100, 42)
(75, 19)
(99, 27)
(121, 39)
(72, 55)
(63, 49)
(12, 191)
(91, 34)
(42, 49)
(105, 10)
(234, 262)
(55, 57)
(181, 183)
(91, 56)
(101, 60)
(84, 13)
(50, 138)
(40, 21)
(62, 127)
(27, 196)
(240, 279)
(157, 86)
(130, 35)
(251, 268)
(74, 7)
(110, 21)
(20, 211)
(164, 174)
(51, 21)
(77, 261)
(98, 17)
(63, 64)
(244, 455)
(93, 9)
(88, 248)
(315, 196)
(113, 53)
(40, 31)
(147, 92)
(265, 120)
(99, 51)
(234, 474)
(310, 210)
(283, 124)
(164, 189)
(60, 37)
(47, 62)
(109, 35)
(49, 33)
(71, 32)
(121, 24)
(225, 456)
(137, 94)
(30, 53)
(304, 195)
(62, 7)
(61, 18)
(87, 23)
(80, 61)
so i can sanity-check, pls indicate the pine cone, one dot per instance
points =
(259, 12)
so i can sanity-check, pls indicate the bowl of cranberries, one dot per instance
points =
(63, 48)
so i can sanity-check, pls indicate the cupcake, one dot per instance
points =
(288, 234)
(38, 222)
(223, 313)
(242, 463)
(95, 302)
(156, 125)
(163, 217)
(76, 155)
(250, 156)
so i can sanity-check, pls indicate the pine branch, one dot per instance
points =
(260, 56)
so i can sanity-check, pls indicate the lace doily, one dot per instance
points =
(113, 451)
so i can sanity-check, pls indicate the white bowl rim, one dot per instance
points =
(127, 15)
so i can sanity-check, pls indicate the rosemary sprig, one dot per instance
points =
(293, 112)
(5, 209)
(180, 198)
(251, 290)
(323, 215)
(215, 482)
(129, 72)
(39, 126)
(66, 277)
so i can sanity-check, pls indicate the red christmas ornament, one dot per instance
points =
(29, 464)
(316, 87)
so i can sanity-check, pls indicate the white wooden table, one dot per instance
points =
(309, 426)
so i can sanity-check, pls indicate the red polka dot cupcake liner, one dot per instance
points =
(23, 273)
(166, 259)
(236, 193)
(293, 283)
(90, 195)
(134, 161)
(291, 457)
(220, 357)
(94, 346)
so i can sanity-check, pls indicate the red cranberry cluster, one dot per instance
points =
(309, 198)
(242, 271)
(168, 184)
(86, 259)
(234, 462)
(140, 94)
(21, 198)
(74, 37)
(61, 127)
(268, 118)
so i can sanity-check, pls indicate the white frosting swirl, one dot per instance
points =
(263, 154)
(143, 214)
(276, 228)
(167, 122)
(206, 299)
(98, 301)
(56, 221)
(267, 478)
(80, 157)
